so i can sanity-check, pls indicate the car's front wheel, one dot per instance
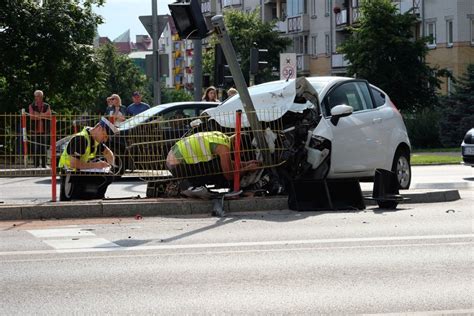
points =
(402, 168)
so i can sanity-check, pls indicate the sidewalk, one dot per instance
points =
(178, 207)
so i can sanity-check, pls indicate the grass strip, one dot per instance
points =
(421, 159)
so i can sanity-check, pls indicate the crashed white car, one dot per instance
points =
(334, 127)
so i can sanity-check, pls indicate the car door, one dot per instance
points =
(355, 144)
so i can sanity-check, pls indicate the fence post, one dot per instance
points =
(238, 125)
(53, 158)
(25, 139)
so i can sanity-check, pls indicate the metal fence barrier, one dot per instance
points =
(141, 149)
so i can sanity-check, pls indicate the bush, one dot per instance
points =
(172, 95)
(457, 111)
(423, 129)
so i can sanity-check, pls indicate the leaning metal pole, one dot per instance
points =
(241, 85)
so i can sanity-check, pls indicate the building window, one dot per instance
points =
(431, 32)
(449, 33)
(314, 39)
(296, 7)
(313, 8)
(327, 44)
(327, 7)
(301, 44)
(355, 3)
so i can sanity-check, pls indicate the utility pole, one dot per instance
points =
(197, 73)
(155, 38)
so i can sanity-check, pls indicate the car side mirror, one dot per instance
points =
(339, 111)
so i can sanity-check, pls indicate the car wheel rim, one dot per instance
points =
(68, 186)
(403, 172)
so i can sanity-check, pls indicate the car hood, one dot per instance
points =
(271, 101)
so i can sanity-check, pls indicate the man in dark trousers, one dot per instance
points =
(83, 175)
(40, 115)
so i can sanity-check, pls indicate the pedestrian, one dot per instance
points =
(115, 110)
(40, 115)
(207, 158)
(210, 94)
(137, 106)
(231, 92)
(79, 159)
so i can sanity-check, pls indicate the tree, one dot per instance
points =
(383, 50)
(48, 47)
(458, 110)
(247, 30)
(121, 76)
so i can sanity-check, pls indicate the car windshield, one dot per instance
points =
(142, 117)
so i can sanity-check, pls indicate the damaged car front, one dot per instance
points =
(328, 127)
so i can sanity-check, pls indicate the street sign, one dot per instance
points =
(147, 23)
(288, 66)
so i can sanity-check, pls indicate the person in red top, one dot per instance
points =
(40, 115)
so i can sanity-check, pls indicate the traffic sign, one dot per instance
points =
(148, 24)
(288, 66)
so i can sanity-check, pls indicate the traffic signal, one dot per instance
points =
(255, 61)
(222, 75)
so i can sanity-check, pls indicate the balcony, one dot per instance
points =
(281, 27)
(298, 23)
(208, 8)
(341, 18)
(302, 63)
(231, 3)
(339, 61)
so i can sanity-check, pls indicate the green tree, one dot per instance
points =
(383, 50)
(458, 110)
(48, 47)
(121, 76)
(247, 30)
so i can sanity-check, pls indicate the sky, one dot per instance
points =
(121, 15)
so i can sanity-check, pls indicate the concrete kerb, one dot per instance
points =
(175, 207)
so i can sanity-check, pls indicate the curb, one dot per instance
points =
(176, 207)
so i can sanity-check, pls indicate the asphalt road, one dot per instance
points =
(34, 190)
(415, 259)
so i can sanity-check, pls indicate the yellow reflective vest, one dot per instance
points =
(65, 160)
(197, 148)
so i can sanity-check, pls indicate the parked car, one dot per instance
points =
(154, 124)
(333, 127)
(467, 148)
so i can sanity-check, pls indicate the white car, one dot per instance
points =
(467, 148)
(347, 126)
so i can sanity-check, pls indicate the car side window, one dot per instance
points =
(355, 94)
(379, 97)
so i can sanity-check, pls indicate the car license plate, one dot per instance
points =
(469, 151)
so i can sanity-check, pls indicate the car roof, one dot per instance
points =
(157, 109)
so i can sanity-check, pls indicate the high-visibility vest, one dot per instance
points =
(197, 148)
(65, 160)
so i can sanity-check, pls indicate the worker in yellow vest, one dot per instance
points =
(84, 176)
(207, 158)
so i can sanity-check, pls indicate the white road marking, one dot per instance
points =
(247, 244)
(80, 243)
(62, 232)
(214, 252)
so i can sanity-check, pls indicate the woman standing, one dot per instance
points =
(210, 94)
(116, 111)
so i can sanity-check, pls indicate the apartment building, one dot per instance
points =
(318, 27)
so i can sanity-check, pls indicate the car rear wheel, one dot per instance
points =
(402, 168)
(66, 188)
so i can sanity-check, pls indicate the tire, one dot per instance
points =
(391, 205)
(402, 168)
(66, 188)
